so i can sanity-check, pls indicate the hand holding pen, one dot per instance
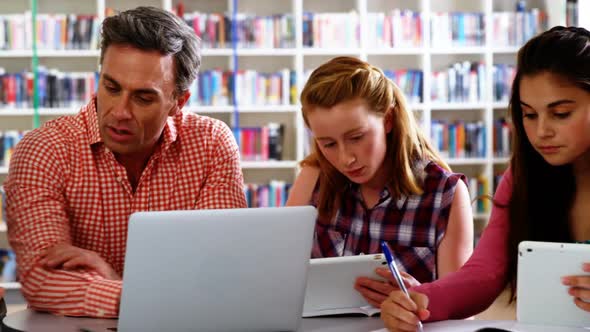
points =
(402, 310)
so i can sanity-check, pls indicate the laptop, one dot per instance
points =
(216, 270)
(541, 298)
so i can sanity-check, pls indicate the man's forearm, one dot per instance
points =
(72, 293)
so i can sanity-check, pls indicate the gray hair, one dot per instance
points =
(151, 28)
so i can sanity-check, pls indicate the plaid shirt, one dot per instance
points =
(65, 186)
(413, 226)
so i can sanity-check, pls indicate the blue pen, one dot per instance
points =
(395, 272)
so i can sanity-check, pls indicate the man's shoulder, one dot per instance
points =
(55, 132)
(203, 127)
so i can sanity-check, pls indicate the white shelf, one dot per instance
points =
(196, 109)
(42, 111)
(10, 285)
(501, 160)
(68, 53)
(59, 111)
(2, 227)
(466, 161)
(458, 50)
(271, 164)
(331, 51)
(506, 50)
(249, 51)
(397, 51)
(500, 104)
(290, 164)
(245, 109)
(50, 53)
(16, 54)
(267, 51)
(217, 52)
(16, 112)
(457, 106)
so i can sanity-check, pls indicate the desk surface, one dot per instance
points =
(31, 321)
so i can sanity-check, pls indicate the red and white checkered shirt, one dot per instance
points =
(65, 186)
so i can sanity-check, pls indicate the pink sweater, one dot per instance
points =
(475, 286)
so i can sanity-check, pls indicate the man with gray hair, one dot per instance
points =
(74, 182)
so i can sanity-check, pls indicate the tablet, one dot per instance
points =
(330, 285)
(541, 297)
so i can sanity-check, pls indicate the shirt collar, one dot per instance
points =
(93, 131)
(384, 195)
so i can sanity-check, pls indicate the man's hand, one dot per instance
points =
(377, 291)
(68, 257)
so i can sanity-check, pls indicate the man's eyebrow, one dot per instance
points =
(138, 91)
(110, 79)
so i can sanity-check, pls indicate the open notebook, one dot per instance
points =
(330, 285)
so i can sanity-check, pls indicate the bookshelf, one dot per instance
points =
(425, 55)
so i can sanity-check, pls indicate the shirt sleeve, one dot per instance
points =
(224, 186)
(477, 284)
(37, 220)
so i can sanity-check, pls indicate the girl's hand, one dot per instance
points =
(579, 288)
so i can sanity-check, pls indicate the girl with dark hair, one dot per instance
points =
(544, 194)
(374, 177)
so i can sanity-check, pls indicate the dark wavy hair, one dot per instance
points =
(542, 194)
(151, 28)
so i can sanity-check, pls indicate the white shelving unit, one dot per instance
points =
(302, 59)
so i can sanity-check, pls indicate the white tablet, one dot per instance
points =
(330, 285)
(541, 297)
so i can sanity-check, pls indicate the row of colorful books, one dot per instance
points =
(515, 28)
(457, 29)
(273, 194)
(252, 31)
(397, 28)
(502, 138)
(260, 143)
(460, 82)
(55, 88)
(215, 87)
(459, 139)
(410, 81)
(331, 30)
(256, 143)
(478, 191)
(54, 31)
(8, 141)
(503, 75)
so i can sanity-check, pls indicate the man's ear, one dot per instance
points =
(388, 120)
(180, 101)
